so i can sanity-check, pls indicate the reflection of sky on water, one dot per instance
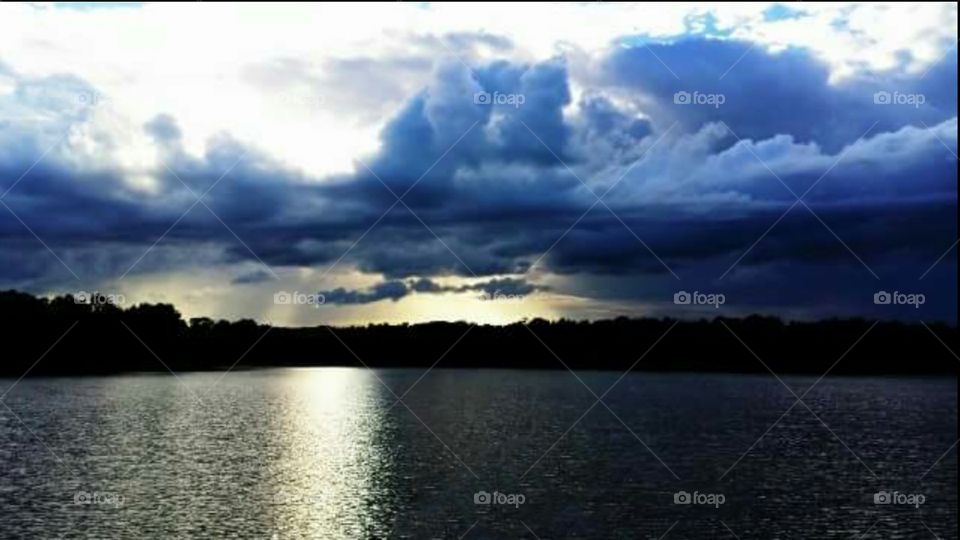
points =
(320, 453)
(332, 476)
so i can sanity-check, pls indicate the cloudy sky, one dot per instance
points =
(410, 162)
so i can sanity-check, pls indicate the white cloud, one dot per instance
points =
(194, 61)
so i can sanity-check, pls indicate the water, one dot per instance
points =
(328, 453)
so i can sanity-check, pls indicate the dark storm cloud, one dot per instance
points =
(392, 290)
(505, 287)
(256, 276)
(397, 289)
(767, 94)
(488, 194)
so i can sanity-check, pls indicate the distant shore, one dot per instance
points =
(63, 337)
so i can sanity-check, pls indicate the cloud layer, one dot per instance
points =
(781, 177)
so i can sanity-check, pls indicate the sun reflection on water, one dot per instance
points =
(331, 479)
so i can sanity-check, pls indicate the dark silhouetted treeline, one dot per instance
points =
(107, 339)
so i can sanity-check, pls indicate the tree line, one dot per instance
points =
(54, 336)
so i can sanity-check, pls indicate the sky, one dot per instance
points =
(345, 164)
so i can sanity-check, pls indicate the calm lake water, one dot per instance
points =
(328, 453)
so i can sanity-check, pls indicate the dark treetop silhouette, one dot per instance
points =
(103, 338)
